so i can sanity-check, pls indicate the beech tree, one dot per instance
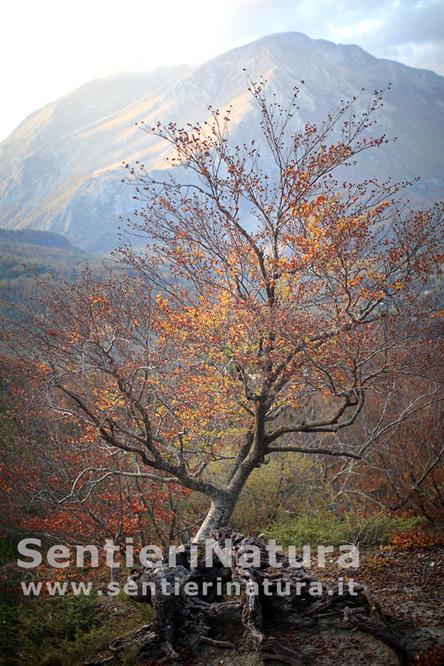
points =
(40, 466)
(403, 467)
(273, 302)
(270, 301)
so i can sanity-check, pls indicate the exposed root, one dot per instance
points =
(184, 624)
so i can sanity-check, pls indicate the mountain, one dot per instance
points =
(29, 254)
(35, 237)
(61, 169)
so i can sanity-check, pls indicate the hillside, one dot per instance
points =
(30, 254)
(61, 168)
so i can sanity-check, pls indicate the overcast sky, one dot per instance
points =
(49, 47)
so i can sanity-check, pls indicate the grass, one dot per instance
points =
(329, 530)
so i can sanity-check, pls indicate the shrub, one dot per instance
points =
(63, 631)
(327, 529)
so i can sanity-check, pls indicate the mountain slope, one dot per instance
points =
(26, 255)
(61, 169)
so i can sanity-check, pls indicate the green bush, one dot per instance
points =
(63, 631)
(8, 550)
(329, 530)
(37, 626)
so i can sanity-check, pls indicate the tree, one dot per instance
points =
(40, 468)
(402, 470)
(271, 304)
(268, 291)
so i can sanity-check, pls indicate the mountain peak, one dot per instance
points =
(293, 40)
(61, 169)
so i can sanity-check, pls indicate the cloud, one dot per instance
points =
(409, 30)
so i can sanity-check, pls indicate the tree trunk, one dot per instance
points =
(217, 517)
(222, 505)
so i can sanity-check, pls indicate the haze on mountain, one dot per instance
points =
(61, 169)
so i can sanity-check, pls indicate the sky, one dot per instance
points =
(50, 47)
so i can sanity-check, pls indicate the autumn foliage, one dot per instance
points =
(273, 304)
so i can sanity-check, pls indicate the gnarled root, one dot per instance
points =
(209, 621)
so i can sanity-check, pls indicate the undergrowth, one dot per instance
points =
(327, 529)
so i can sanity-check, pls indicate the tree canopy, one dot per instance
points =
(272, 300)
